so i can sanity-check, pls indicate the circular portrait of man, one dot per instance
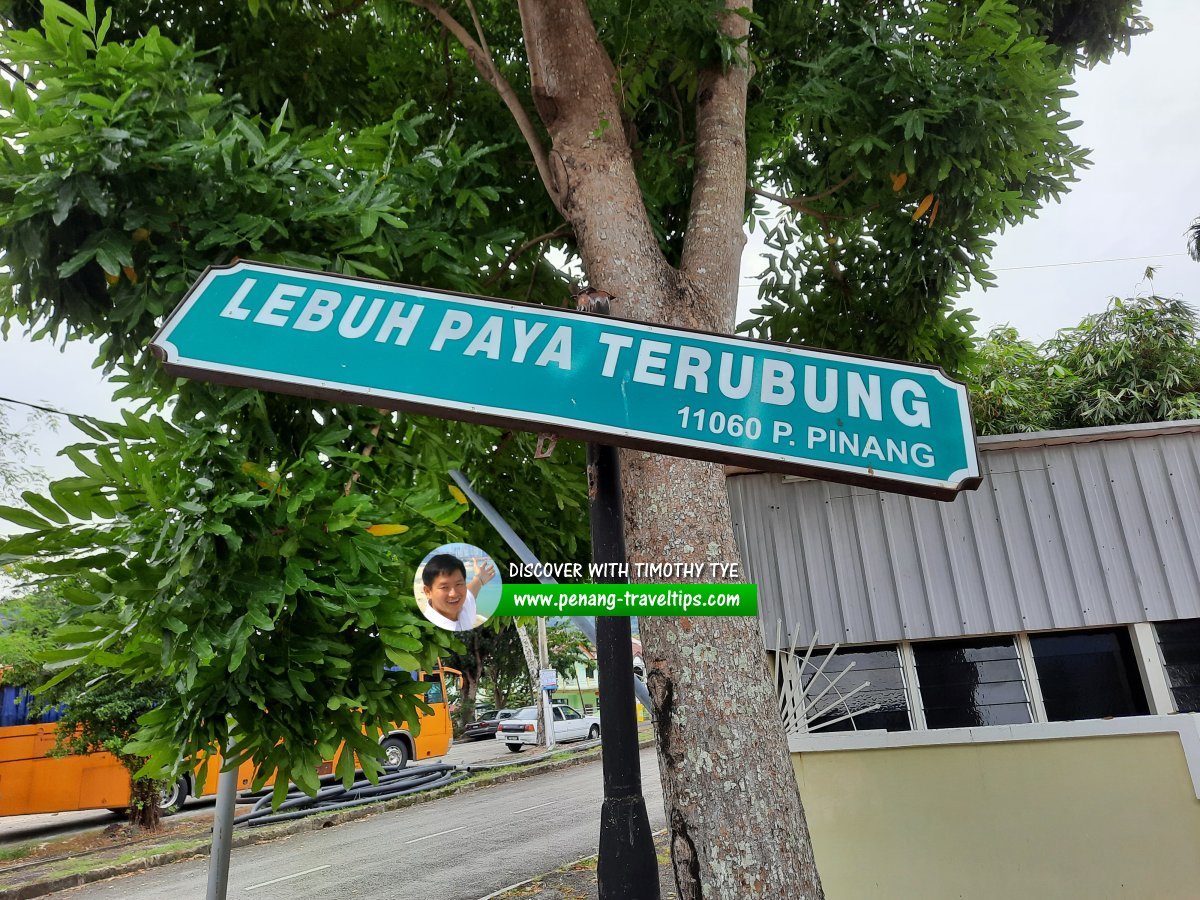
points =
(457, 587)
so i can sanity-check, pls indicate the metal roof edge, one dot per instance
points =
(1026, 440)
(1085, 435)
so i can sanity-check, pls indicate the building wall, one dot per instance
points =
(1069, 529)
(1103, 809)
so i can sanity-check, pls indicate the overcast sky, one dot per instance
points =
(1141, 117)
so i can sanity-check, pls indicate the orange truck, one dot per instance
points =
(34, 781)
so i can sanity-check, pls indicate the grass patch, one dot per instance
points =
(72, 867)
(20, 851)
(87, 864)
(558, 756)
(489, 775)
(147, 852)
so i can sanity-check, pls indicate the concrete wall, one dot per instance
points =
(1103, 809)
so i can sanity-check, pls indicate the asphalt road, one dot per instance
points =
(459, 848)
(47, 826)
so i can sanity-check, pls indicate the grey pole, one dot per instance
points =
(222, 836)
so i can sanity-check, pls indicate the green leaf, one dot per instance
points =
(69, 497)
(24, 518)
(344, 768)
(69, 14)
(402, 659)
(45, 507)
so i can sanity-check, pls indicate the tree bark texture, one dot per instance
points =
(143, 803)
(535, 681)
(737, 823)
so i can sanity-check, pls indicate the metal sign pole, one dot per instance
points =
(222, 837)
(628, 866)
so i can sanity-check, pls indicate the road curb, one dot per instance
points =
(247, 837)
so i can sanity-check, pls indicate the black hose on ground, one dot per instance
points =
(333, 796)
(393, 783)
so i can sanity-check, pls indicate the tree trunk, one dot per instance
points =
(470, 688)
(535, 680)
(466, 704)
(737, 824)
(143, 803)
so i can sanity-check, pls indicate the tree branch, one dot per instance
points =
(800, 204)
(17, 75)
(479, 30)
(560, 231)
(486, 67)
(366, 451)
(713, 244)
(573, 83)
(820, 195)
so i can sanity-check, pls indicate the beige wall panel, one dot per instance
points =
(1096, 817)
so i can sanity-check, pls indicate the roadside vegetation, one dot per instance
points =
(1137, 361)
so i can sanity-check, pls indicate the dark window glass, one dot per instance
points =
(433, 694)
(881, 668)
(1088, 675)
(971, 682)
(1179, 643)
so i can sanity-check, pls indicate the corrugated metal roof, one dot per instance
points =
(1069, 529)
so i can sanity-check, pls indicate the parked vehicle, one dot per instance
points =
(569, 725)
(486, 725)
(34, 780)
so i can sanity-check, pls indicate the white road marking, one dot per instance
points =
(539, 806)
(439, 834)
(255, 887)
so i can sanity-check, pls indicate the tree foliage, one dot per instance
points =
(15, 473)
(1138, 361)
(484, 649)
(28, 620)
(246, 572)
(101, 712)
(94, 710)
(922, 129)
(566, 645)
(860, 114)
(505, 674)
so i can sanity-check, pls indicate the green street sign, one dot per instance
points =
(837, 417)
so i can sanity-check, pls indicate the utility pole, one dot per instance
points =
(543, 665)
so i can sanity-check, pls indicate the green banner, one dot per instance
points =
(628, 600)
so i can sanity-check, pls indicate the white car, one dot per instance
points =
(569, 725)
